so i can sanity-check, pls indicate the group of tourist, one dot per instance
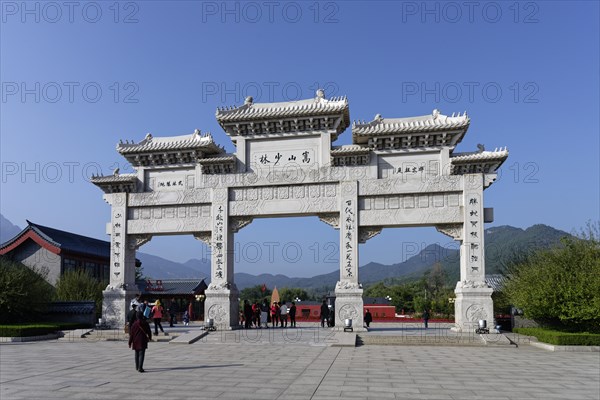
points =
(260, 315)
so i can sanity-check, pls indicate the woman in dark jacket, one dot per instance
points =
(139, 336)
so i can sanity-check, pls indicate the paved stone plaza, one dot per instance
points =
(294, 364)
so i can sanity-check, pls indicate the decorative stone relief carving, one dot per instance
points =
(348, 311)
(203, 236)
(475, 312)
(367, 232)
(237, 223)
(137, 241)
(455, 231)
(331, 219)
(220, 195)
(473, 284)
(219, 287)
(119, 199)
(343, 285)
(217, 313)
(348, 189)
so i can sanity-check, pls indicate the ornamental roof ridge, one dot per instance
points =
(218, 158)
(481, 155)
(115, 178)
(166, 143)
(432, 122)
(251, 111)
(349, 148)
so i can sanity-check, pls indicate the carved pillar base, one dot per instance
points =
(222, 306)
(115, 306)
(473, 302)
(349, 304)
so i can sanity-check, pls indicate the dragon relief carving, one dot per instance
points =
(137, 241)
(331, 219)
(237, 223)
(203, 237)
(455, 231)
(367, 232)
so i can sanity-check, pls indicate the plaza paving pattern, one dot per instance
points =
(293, 364)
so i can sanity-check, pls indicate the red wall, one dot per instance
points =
(378, 311)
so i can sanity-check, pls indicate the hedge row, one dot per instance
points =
(561, 338)
(25, 330)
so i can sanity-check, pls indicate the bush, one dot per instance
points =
(24, 292)
(559, 287)
(561, 338)
(27, 330)
(79, 285)
(38, 329)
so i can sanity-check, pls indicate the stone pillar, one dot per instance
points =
(348, 294)
(473, 296)
(222, 303)
(121, 289)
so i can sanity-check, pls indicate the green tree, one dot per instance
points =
(290, 294)
(79, 285)
(254, 294)
(24, 292)
(559, 287)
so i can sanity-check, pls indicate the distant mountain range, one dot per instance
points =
(7, 229)
(502, 244)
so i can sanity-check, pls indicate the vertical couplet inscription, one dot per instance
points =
(349, 222)
(117, 243)
(218, 244)
(473, 216)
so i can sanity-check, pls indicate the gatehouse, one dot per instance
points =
(398, 172)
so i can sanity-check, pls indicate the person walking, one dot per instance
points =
(324, 314)
(140, 335)
(247, 315)
(283, 313)
(368, 318)
(292, 312)
(275, 314)
(131, 317)
(264, 313)
(157, 314)
(173, 309)
(426, 318)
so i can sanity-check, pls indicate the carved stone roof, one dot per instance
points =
(335, 108)
(151, 144)
(480, 161)
(496, 155)
(349, 150)
(114, 179)
(426, 123)
(116, 183)
(434, 130)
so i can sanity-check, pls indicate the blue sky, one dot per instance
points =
(77, 80)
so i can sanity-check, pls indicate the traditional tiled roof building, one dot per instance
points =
(59, 251)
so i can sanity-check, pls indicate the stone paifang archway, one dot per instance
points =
(398, 172)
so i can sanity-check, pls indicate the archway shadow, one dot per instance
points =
(196, 367)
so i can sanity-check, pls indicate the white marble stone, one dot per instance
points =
(398, 172)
